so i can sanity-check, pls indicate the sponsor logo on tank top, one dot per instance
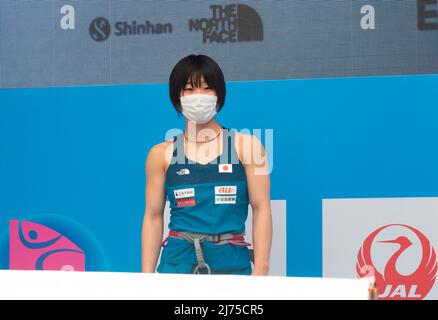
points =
(185, 197)
(183, 171)
(225, 168)
(225, 190)
(186, 202)
(225, 194)
(184, 193)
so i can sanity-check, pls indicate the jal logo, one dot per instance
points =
(229, 23)
(409, 267)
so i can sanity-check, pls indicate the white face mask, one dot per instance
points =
(198, 107)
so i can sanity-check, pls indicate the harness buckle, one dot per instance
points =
(216, 238)
(207, 267)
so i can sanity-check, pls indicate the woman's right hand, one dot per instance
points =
(152, 232)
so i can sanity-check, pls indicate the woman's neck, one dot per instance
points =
(202, 132)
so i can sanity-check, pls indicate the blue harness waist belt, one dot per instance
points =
(197, 238)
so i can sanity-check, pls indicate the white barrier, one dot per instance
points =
(115, 285)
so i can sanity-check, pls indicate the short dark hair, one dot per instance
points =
(193, 67)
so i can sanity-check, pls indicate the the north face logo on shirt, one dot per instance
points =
(183, 171)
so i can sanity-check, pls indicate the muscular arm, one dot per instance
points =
(152, 232)
(257, 172)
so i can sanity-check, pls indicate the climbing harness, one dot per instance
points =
(197, 238)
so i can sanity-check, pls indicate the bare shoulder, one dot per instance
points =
(247, 138)
(248, 147)
(161, 154)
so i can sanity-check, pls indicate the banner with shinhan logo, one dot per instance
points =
(46, 43)
(394, 239)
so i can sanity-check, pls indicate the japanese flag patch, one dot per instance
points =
(225, 168)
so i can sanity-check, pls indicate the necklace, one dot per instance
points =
(205, 140)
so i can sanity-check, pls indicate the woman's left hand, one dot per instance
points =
(259, 272)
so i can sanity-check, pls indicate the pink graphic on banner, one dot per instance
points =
(33, 246)
(391, 284)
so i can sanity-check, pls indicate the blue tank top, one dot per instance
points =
(207, 198)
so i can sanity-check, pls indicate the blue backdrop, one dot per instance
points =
(80, 151)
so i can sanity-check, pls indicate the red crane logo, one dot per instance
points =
(391, 284)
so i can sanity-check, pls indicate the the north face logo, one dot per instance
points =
(183, 171)
(229, 23)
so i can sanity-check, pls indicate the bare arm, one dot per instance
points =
(152, 232)
(257, 172)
